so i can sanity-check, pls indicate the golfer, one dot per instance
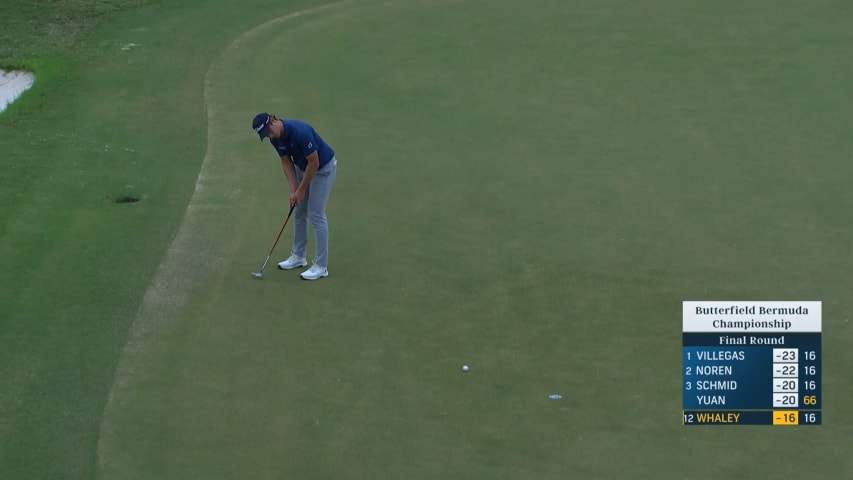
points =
(309, 165)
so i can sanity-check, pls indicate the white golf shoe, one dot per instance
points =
(315, 272)
(292, 262)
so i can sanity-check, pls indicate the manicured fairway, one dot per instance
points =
(528, 188)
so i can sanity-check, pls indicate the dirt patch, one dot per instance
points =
(123, 199)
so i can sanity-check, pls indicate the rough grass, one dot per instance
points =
(34, 28)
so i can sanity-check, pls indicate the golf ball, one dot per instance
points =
(464, 368)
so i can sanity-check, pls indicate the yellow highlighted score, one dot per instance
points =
(786, 417)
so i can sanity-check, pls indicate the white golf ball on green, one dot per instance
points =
(464, 368)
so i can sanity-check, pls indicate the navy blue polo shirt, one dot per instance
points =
(301, 140)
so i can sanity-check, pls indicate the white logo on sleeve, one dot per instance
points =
(310, 145)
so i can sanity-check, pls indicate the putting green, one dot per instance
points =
(522, 187)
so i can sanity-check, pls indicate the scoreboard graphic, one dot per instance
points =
(751, 363)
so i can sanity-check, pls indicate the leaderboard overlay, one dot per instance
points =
(751, 363)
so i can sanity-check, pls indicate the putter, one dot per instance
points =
(260, 274)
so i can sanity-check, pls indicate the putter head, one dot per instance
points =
(258, 275)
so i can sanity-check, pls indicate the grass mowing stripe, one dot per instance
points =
(103, 119)
(72, 262)
(196, 252)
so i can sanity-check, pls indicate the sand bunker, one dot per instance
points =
(12, 85)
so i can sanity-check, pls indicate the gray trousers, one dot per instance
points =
(313, 207)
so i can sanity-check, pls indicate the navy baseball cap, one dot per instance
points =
(261, 125)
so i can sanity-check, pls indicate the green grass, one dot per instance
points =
(35, 28)
(528, 188)
(100, 122)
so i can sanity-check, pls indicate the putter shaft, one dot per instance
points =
(261, 272)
